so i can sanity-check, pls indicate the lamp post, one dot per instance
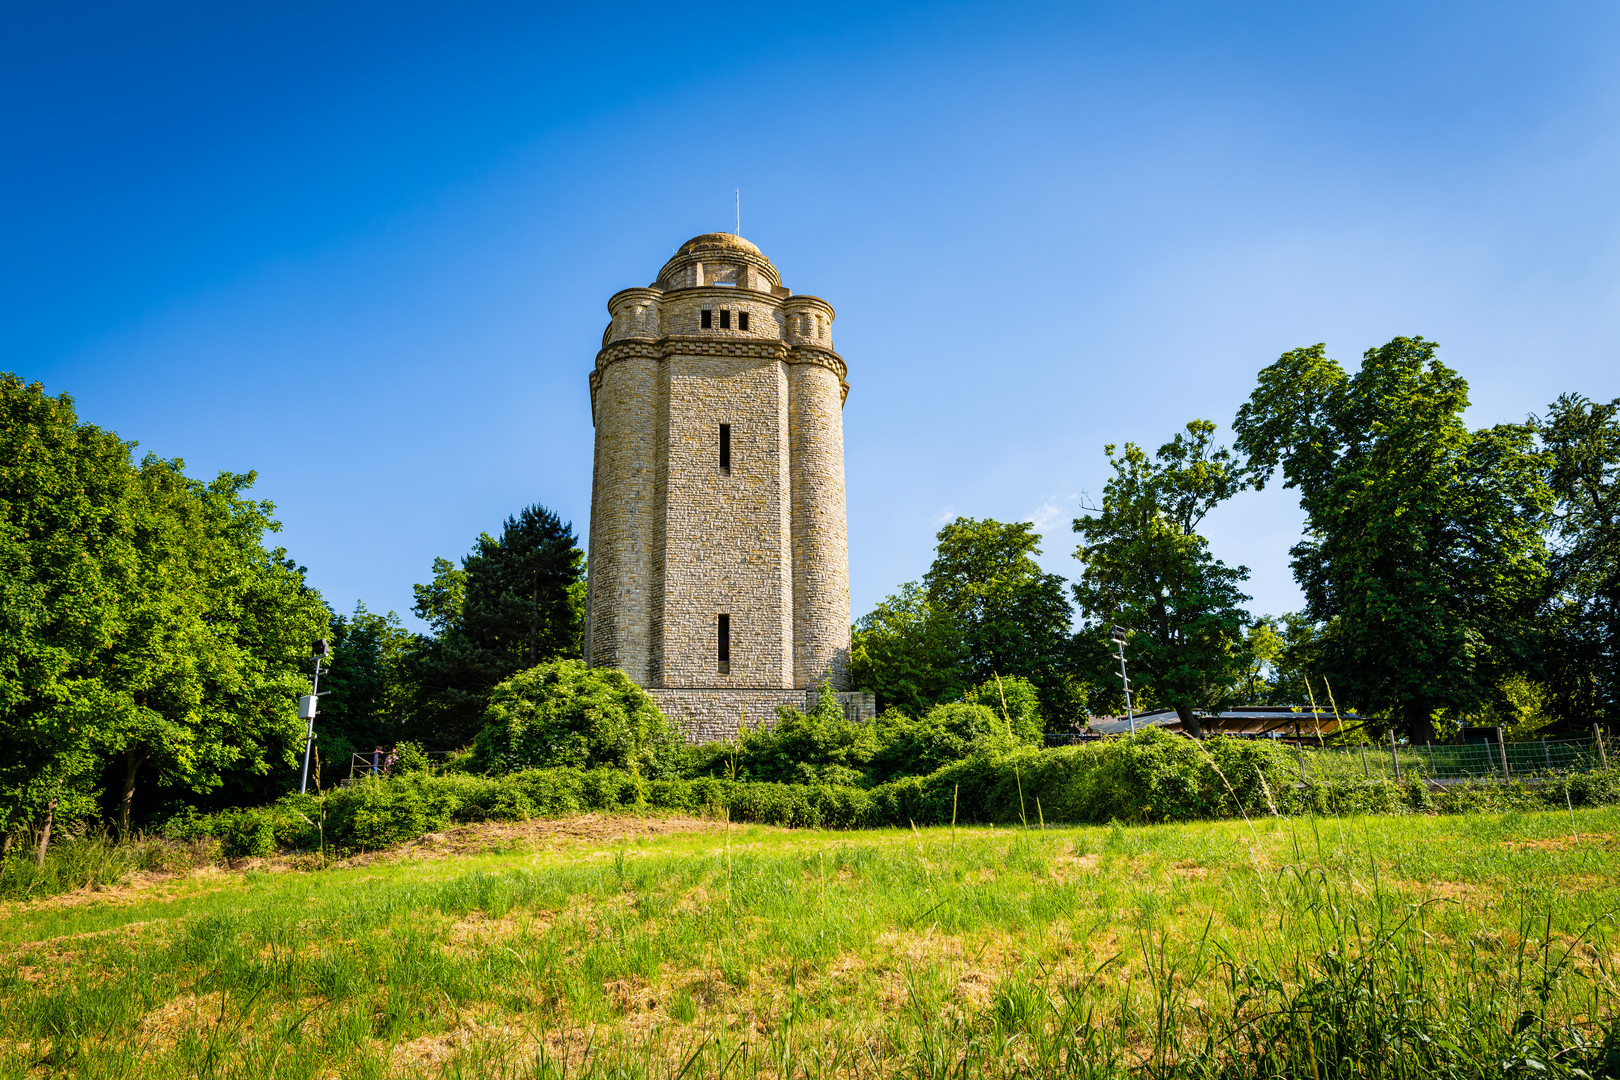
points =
(306, 708)
(1117, 635)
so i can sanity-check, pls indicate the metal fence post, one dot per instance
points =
(1393, 758)
(1430, 747)
(1501, 747)
(1603, 755)
(1546, 755)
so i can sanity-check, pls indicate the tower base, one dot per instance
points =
(719, 715)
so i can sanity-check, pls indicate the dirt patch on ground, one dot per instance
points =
(1560, 843)
(545, 833)
(540, 834)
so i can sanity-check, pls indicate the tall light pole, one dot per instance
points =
(306, 708)
(1117, 635)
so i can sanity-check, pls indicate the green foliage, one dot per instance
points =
(822, 746)
(439, 602)
(909, 652)
(1424, 560)
(515, 603)
(1581, 440)
(366, 692)
(944, 734)
(145, 623)
(1146, 567)
(567, 714)
(1148, 777)
(1016, 703)
(68, 559)
(1013, 616)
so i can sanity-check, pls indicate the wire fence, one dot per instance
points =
(1451, 761)
(1443, 762)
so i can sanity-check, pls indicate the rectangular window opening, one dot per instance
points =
(725, 644)
(725, 447)
(725, 318)
(742, 320)
(706, 319)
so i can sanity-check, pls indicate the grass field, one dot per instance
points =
(1395, 946)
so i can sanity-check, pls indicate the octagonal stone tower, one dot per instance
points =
(719, 558)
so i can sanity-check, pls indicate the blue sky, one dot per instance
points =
(365, 249)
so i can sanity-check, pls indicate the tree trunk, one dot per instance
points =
(45, 834)
(133, 760)
(1189, 721)
(1419, 724)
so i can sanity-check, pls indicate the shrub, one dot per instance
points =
(1015, 702)
(945, 734)
(410, 757)
(822, 746)
(570, 715)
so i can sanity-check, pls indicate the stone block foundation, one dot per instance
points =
(715, 715)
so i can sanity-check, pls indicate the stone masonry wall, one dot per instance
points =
(726, 544)
(714, 715)
(675, 540)
(820, 538)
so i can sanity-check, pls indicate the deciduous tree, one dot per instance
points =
(1423, 556)
(1581, 439)
(1146, 567)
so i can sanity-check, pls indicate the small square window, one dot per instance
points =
(742, 320)
(725, 319)
(706, 318)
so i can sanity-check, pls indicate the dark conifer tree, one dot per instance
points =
(514, 603)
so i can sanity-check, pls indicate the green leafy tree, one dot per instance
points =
(216, 645)
(148, 632)
(564, 713)
(1423, 559)
(67, 564)
(367, 691)
(514, 603)
(908, 652)
(1013, 617)
(1146, 567)
(439, 602)
(1581, 439)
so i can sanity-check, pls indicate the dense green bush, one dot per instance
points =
(945, 734)
(1151, 776)
(822, 746)
(1015, 701)
(565, 714)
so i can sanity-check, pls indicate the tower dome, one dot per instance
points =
(718, 241)
(720, 258)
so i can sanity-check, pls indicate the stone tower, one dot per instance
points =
(719, 560)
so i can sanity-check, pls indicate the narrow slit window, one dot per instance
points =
(725, 319)
(742, 320)
(724, 643)
(725, 447)
(706, 319)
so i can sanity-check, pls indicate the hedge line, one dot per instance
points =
(1148, 777)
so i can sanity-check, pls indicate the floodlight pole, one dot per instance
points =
(1119, 639)
(306, 710)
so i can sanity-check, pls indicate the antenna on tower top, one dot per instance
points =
(739, 213)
